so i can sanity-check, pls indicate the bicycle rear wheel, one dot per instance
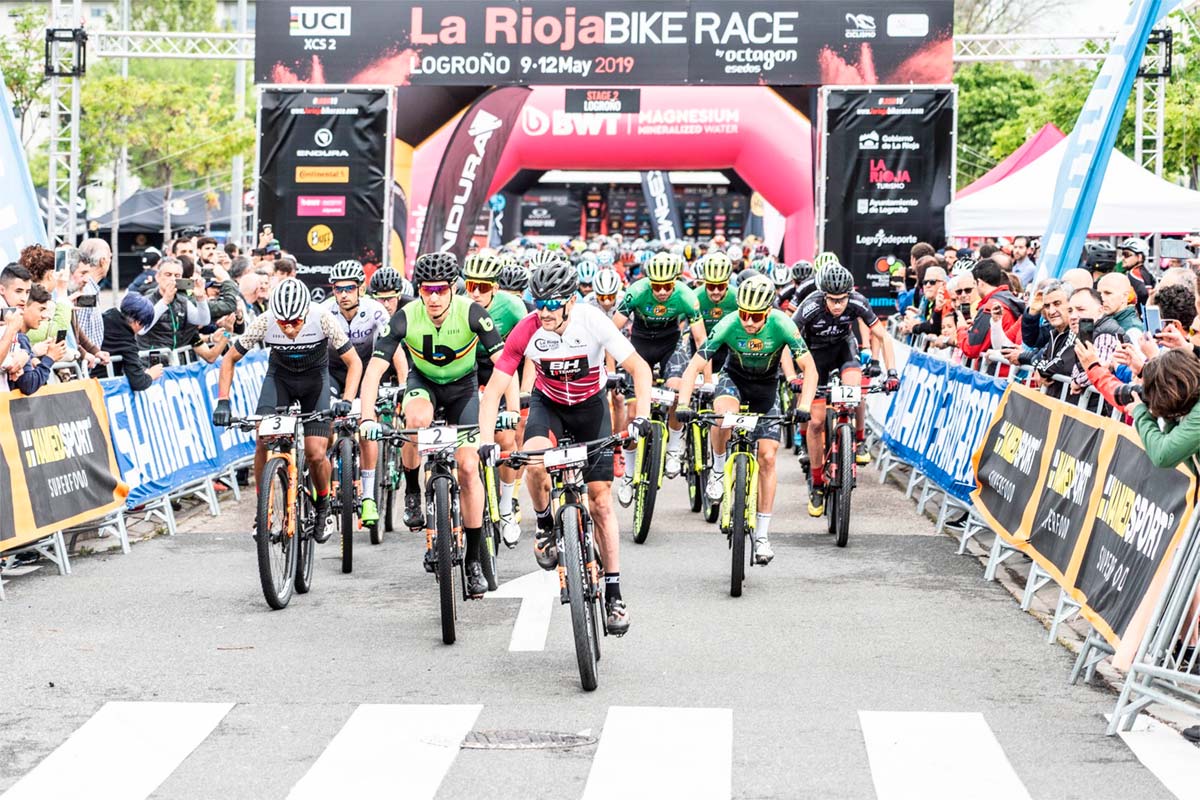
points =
(692, 454)
(306, 552)
(444, 550)
(582, 611)
(646, 490)
(276, 548)
(382, 501)
(345, 496)
(845, 485)
(737, 527)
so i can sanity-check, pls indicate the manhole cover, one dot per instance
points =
(524, 740)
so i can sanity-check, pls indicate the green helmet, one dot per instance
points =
(824, 260)
(756, 294)
(482, 267)
(664, 268)
(717, 268)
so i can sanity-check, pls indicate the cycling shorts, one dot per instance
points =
(582, 422)
(667, 357)
(759, 398)
(835, 359)
(281, 388)
(456, 402)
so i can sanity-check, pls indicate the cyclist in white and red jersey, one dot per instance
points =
(567, 342)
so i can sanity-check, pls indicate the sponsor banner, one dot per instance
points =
(1077, 493)
(57, 467)
(466, 170)
(603, 101)
(888, 158)
(938, 417)
(549, 212)
(164, 438)
(324, 177)
(661, 203)
(604, 42)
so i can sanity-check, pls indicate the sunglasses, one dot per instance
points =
(290, 323)
(434, 289)
(661, 287)
(961, 292)
(550, 305)
(708, 285)
(483, 287)
(752, 316)
(933, 282)
(345, 289)
(838, 300)
(606, 298)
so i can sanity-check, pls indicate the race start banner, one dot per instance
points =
(604, 42)
(887, 175)
(662, 205)
(324, 176)
(57, 467)
(1077, 493)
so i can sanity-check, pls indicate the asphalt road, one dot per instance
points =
(886, 669)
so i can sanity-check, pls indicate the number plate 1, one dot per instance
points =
(277, 426)
(664, 396)
(744, 421)
(565, 457)
(847, 393)
(431, 440)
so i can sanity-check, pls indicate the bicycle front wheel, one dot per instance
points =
(383, 502)
(306, 550)
(275, 544)
(646, 490)
(582, 610)
(737, 528)
(845, 485)
(345, 494)
(694, 455)
(444, 550)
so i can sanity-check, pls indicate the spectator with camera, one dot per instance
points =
(975, 337)
(26, 366)
(1098, 336)
(182, 308)
(1048, 344)
(122, 327)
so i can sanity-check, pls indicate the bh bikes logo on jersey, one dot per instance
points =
(884, 178)
(861, 26)
(319, 238)
(319, 21)
(482, 127)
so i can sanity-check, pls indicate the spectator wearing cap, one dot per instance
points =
(145, 279)
(95, 258)
(1134, 252)
(1116, 293)
(976, 336)
(1023, 264)
(121, 329)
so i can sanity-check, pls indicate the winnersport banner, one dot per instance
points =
(604, 42)
(660, 202)
(888, 156)
(324, 175)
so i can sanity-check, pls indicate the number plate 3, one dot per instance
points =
(277, 426)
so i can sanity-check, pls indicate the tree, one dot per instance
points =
(1001, 16)
(173, 15)
(989, 96)
(23, 64)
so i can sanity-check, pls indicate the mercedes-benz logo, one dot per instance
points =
(323, 137)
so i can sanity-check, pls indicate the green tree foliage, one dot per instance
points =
(23, 63)
(990, 96)
(173, 15)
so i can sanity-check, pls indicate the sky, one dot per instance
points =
(1087, 16)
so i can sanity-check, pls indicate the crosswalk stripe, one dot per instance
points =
(663, 753)
(388, 751)
(125, 750)
(935, 755)
(1172, 759)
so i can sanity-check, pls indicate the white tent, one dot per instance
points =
(1131, 200)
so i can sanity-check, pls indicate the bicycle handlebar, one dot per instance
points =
(516, 458)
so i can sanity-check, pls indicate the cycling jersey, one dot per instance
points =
(308, 352)
(822, 329)
(506, 311)
(797, 294)
(570, 367)
(754, 357)
(369, 319)
(442, 353)
(591, 300)
(655, 320)
(715, 312)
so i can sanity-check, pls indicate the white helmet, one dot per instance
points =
(290, 299)
(348, 270)
(586, 271)
(607, 281)
(780, 275)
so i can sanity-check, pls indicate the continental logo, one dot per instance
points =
(1017, 447)
(1135, 518)
(1069, 477)
(322, 174)
(60, 442)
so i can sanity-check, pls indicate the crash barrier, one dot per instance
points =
(57, 467)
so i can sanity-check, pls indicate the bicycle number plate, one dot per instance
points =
(743, 421)
(277, 426)
(431, 440)
(565, 457)
(664, 396)
(468, 437)
(846, 393)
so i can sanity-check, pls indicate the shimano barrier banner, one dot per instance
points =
(887, 158)
(164, 437)
(661, 203)
(56, 462)
(466, 171)
(324, 176)
(1076, 493)
(604, 42)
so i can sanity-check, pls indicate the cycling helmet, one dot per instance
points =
(544, 257)
(482, 267)
(1099, 256)
(348, 270)
(605, 258)
(644, 256)
(755, 294)
(691, 252)
(607, 281)
(514, 278)
(761, 251)
(589, 255)
(781, 276)
(717, 268)
(824, 260)
(385, 281)
(435, 268)
(736, 252)
(553, 281)
(836, 279)
(586, 271)
(406, 287)
(1137, 246)
(664, 267)
(290, 299)
(802, 270)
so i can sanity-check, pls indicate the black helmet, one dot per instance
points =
(435, 268)
(384, 281)
(802, 270)
(555, 280)
(836, 279)
(514, 278)
(1099, 256)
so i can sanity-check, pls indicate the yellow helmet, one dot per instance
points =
(664, 268)
(482, 267)
(756, 293)
(717, 268)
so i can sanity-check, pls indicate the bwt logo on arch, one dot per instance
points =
(535, 122)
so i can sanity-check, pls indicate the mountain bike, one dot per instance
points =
(841, 471)
(697, 461)
(343, 494)
(286, 517)
(739, 503)
(490, 545)
(651, 460)
(389, 472)
(580, 571)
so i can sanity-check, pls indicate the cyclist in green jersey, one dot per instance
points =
(657, 304)
(482, 275)
(440, 336)
(756, 341)
(716, 301)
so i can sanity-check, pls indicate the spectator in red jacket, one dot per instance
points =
(975, 337)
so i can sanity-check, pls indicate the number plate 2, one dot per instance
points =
(565, 457)
(431, 440)
(277, 426)
(846, 393)
(663, 396)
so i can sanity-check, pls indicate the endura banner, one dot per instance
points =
(324, 175)
(888, 157)
(661, 203)
(604, 42)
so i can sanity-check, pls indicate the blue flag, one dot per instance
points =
(1091, 142)
(20, 219)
